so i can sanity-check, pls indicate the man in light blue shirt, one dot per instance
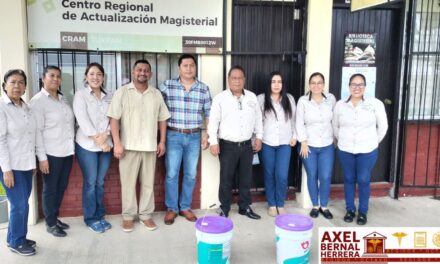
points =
(188, 101)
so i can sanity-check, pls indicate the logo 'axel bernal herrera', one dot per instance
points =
(355, 247)
(73, 40)
(340, 244)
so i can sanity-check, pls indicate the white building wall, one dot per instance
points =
(14, 53)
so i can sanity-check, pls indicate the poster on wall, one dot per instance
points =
(370, 76)
(172, 26)
(360, 49)
(359, 57)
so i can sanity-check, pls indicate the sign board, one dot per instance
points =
(175, 26)
(357, 5)
(359, 57)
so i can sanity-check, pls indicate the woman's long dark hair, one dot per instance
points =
(285, 103)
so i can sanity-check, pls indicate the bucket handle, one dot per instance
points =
(206, 211)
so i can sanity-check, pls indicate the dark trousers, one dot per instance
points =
(54, 185)
(235, 160)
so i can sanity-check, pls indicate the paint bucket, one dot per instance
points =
(293, 238)
(3, 209)
(214, 234)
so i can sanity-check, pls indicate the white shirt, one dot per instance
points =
(276, 129)
(19, 137)
(56, 123)
(359, 129)
(314, 120)
(91, 116)
(235, 119)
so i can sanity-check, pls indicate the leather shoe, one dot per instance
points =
(56, 231)
(169, 217)
(189, 215)
(62, 225)
(222, 213)
(249, 213)
(349, 216)
(314, 212)
(362, 219)
(326, 213)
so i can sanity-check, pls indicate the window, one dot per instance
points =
(117, 66)
(424, 91)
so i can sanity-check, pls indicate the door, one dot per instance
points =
(268, 36)
(387, 24)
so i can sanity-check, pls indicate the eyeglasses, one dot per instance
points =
(240, 105)
(316, 83)
(357, 85)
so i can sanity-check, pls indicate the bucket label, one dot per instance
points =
(293, 251)
(213, 253)
(299, 260)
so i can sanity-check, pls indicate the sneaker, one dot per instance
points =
(23, 250)
(349, 216)
(62, 225)
(272, 211)
(362, 219)
(56, 231)
(127, 225)
(31, 243)
(149, 224)
(96, 227)
(105, 224)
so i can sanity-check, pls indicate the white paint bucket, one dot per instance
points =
(293, 238)
(214, 234)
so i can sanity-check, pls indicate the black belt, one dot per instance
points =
(239, 144)
(184, 130)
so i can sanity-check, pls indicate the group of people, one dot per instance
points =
(141, 122)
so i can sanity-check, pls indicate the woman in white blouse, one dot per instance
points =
(278, 108)
(19, 140)
(314, 128)
(56, 123)
(93, 144)
(359, 125)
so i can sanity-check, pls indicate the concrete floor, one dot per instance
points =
(253, 241)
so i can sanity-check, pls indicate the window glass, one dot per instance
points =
(117, 66)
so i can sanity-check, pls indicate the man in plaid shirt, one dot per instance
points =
(188, 101)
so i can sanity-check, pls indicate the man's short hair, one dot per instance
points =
(186, 56)
(141, 62)
(236, 67)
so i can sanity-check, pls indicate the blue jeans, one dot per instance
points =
(187, 147)
(18, 197)
(54, 186)
(275, 161)
(319, 167)
(357, 168)
(94, 167)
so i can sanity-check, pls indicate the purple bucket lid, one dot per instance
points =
(294, 222)
(214, 224)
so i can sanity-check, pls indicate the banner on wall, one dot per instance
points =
(173, 26)
(359, 57)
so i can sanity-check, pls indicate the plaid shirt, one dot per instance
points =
(186, 107)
